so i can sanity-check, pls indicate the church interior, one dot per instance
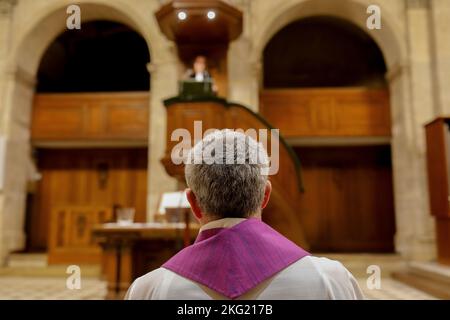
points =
(91, 93)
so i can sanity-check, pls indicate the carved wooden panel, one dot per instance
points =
(70, 233)
(327, 112)
(90, 116)
(87, 177)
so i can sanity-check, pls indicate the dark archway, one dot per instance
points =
(103, 56)
(323, 51)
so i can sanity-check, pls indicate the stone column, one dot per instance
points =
(16, 94)
(244, 71)
(164, 84)
(16, 130)
(414, 236)
(440, 44)
(412, 104)
(6, 9)
(243, 74)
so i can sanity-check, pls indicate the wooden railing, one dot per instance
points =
(90, 116)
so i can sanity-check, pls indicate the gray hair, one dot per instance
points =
(227, 173)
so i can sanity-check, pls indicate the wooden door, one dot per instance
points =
(348, 201)
(86, 177)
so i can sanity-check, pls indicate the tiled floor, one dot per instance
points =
(13, 287)
(29, 277)
(49, 288)
(393, 290)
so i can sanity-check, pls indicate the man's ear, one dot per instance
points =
(267, 192)
(194, 205)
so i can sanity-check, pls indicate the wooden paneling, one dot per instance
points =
(348, 201)
(90, 116)
(87, 177)
(70, 233)
(443, 240)
(327, 112)
(437, 133)
(438, 168)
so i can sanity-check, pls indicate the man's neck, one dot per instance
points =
(223, 222)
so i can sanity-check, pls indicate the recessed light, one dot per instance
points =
(182, 15)
(211, 15)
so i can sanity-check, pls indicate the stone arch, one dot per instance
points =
(353, 11)
(357, 60)
(43, 28)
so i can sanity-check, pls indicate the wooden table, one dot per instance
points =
(133, 250)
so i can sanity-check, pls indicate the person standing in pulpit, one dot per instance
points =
(199, 72)
(236, 255)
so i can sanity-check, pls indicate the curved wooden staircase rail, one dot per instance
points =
(283, 212)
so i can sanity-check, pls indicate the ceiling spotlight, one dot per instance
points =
(211, 15)
(182, 15)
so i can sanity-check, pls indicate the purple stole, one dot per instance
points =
(234, 260)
